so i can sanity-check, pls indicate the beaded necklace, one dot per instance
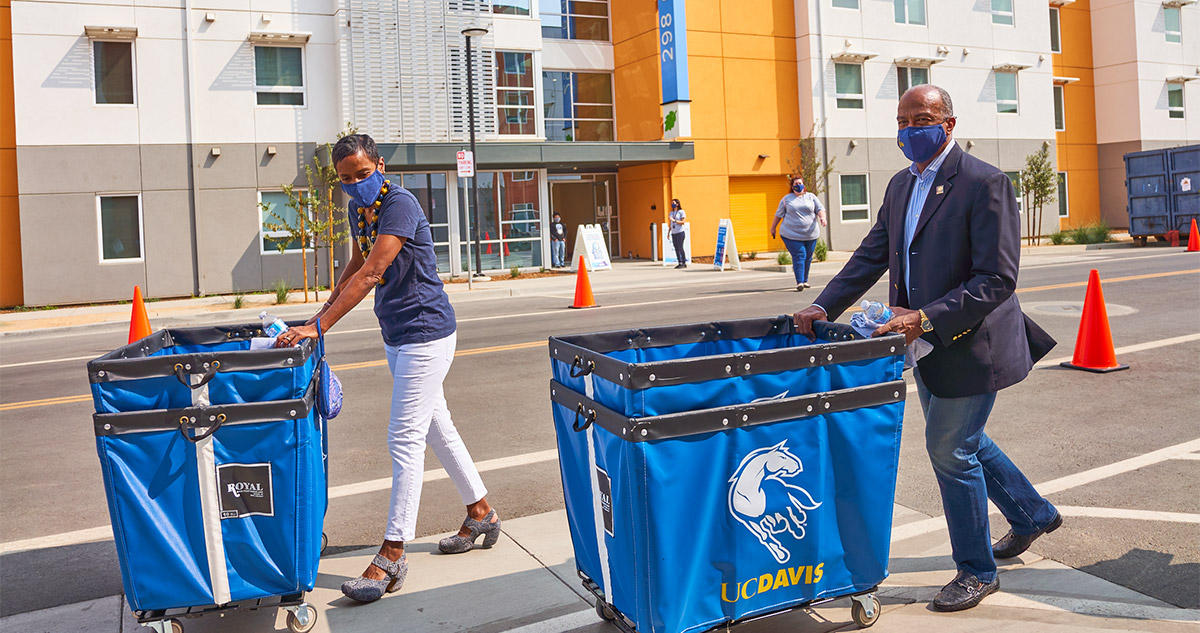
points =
(369, 231)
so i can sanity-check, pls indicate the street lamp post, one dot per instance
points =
(475, 31)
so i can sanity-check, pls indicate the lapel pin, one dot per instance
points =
(939, 190)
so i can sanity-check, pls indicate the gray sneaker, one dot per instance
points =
(368, 590)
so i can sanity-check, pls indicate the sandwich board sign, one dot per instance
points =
(668, 245)
(726, 246)
(589, 242)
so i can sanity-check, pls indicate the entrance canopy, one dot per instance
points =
(517, 155)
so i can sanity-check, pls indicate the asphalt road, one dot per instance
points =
(1055, 424)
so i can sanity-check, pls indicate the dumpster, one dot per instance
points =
(1184, 164)
(723, 471)
(217, 503)
(1149, 205)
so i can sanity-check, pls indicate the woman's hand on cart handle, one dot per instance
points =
(295, 335)
(804, 320)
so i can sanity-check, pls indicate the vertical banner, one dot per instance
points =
(668, 245)
(726, 247)
(672, 51)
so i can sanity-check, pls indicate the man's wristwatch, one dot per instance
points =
(926, 325)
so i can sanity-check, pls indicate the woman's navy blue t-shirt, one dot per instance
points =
(411, 304)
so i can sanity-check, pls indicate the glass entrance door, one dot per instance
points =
(430, 190)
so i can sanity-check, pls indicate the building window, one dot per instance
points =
(907, 77)
(120, 220)
(1175, 101)
(1055, 33)
(846, 4)
(1002, 12)
(575, 19)
(274, 214)
(1172, 25)
(510, 226)
(848, 79)
(279, 75)
(1015, 177)
(514, 94)
(511, 7)
(909, 11)
(578, 106)
(854, 203)
(113, 66)
(1060, 110)
(1063, 206)
(1006, 93)
(433, 196)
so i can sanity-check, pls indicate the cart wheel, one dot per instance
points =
(859, 613)
(604, 611)
(324, 542)
(302, 623)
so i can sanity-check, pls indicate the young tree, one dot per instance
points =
(295, 225)
(329, 226)
(1040, 184)
(805, 162)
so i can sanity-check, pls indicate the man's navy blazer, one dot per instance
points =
(964, 258)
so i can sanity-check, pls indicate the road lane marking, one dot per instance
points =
(1189, 456)
(1121, 513)
(568, 622)
(1079, 284)
(47, 362)
(12, 406)
(346, 490)
(1128, 349)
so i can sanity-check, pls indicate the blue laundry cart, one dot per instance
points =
(214, 459)
(723, 471)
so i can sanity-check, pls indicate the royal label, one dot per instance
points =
(245, 490)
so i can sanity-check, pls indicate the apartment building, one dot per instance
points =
(148, 133)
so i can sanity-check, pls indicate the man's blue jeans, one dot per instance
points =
(558, 253)
(971, 469)
(802, 254)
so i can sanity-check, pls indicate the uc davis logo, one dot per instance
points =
(766, 504)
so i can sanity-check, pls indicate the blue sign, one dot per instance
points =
(672, 50)
(719, 258)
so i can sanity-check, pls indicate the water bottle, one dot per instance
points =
(876, 311)
(272, 325)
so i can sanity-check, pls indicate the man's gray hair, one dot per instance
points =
(947, 104)
(352, 144)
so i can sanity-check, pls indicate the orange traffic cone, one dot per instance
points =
(487, 237)
(1094, 347)
(1194, 238)
(583, 288)
(139, 325)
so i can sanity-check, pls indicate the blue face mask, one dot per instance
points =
(364, 192)
(798, 189)
(920, 144)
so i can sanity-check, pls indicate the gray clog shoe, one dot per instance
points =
(490, 530)
(368, 590)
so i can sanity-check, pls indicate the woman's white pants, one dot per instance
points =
(419, 416)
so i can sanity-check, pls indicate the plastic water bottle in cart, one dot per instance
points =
(874, 310)
(272, 325)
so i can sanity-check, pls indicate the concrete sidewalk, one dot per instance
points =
(527, 584)
(625, 276)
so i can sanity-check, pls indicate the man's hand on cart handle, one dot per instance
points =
(804, 320)
(294, 335)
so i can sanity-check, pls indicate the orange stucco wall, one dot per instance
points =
(1077, 150)
(11, 287)
(743, 82)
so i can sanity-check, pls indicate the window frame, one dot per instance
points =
(905, 72)
(1182, 107)
(263, 234)
(132, 69)
(857, 5)
(1179, 20)
(840, 96)
(896, 4)
(842, 207)
(530, 111)
(1011, 14)
(1016, 88)
(1064, 199)
(302, 89)
(570, 25)
(1055, 30)
(573, 118)
(1060, 107)
(528, 12)
(141, 258)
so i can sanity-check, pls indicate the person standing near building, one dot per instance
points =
(678, 232)
(558, 242)
(799, 213)
(948, 234)
(395, 257)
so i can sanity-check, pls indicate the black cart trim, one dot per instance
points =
(199, 419)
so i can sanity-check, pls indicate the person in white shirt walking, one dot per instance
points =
(678, 218)
(798, 213)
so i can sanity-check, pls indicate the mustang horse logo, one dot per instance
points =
(761, 500)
